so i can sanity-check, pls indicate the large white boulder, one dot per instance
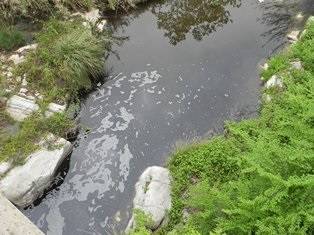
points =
(20, 108)
(25, 183)
(153, 195)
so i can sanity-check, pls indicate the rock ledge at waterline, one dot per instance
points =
(23, 184)
(152, 195)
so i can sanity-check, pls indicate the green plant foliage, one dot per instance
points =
(142, 221)
(10, 38)
(258, 178)
(68, 57)
(184, 230)
(215, 160)
(276, 64)
(32, 9)
(23, 143)
(37, 10)
(78, 4)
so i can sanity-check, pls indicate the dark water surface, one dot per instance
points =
(185, 68)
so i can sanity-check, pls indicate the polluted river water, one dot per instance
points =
(183, 69)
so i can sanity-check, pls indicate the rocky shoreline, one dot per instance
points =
(23, 183)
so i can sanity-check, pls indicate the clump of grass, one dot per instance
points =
(276, 64)
(258, 177)
(67, 60)
(36, 10)
(31, 9)
(10, 38)
(19, 146)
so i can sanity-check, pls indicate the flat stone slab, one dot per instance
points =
(23, 184)
(13, 222)
(20, 108)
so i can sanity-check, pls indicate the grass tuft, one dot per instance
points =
(10, 38)
(67, 60)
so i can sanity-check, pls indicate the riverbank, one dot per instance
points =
(41, 84)
(258, 176)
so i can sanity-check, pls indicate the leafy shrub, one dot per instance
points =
(10, 38)
(68, 57)
(266, 185)
(185, 230)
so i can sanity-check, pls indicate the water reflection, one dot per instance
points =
(279, 17)
(199, 17)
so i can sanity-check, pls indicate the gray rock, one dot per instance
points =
(153, 195)
(24, 82)
(24, 184)
(16, 59)
(100, 26)
(13, 222)
(274, 81)
(27, 48)
(20, 108)
(296, 65)
(23, 90)
(293, 36)
(4, 168)
(54, 108)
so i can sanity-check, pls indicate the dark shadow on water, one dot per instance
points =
(280, 16)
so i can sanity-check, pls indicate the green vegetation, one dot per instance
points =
(69, 56)
(78, 4)
(10, 38)
(258, 177)
(19, 145)
(142, 221)
(37, 10)
(68, 59)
